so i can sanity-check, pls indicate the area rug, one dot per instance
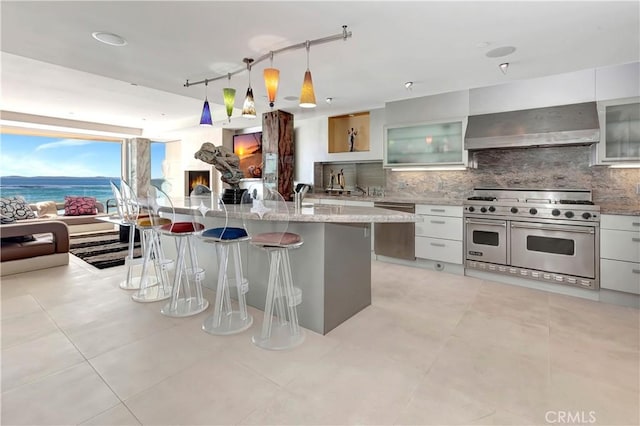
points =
(101, 249)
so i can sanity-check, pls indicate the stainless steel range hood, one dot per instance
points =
(575, 124)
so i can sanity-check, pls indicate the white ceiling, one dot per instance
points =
(52, 66)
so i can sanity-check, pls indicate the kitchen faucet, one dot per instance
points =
(364, 191)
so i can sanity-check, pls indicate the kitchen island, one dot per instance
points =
(332, 268)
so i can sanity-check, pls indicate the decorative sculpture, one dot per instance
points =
(340, 179)
(352, 133)
(225, 161)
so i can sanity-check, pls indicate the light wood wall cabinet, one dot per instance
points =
(620, 253)
(349, 133)
(439, 235)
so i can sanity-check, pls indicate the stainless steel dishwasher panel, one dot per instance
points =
(396, 239)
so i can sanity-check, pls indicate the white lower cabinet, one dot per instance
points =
(439, 235)
(621, 276)
(620, 253)
(439, 249)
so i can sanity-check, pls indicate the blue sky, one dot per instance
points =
(24, 155)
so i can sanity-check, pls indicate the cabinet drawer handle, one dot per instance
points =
(437, 244)
(636, 271)
(636, 240)
(439, 222)
(635, 223)
(438, 210)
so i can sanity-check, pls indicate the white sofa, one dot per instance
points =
(76, 224)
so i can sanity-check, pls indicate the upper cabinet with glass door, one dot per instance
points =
(619, 131)
(427, 144)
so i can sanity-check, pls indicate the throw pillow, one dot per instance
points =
(78, 206)
(16, 208)
(6, 219)
(47, 208)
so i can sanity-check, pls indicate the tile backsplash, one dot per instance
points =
(548, 168)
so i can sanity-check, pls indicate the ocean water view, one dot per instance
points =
(55, 188)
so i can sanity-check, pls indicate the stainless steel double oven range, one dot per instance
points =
(545, 235)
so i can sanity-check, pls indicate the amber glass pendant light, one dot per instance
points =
(307, 95)
(271, 80)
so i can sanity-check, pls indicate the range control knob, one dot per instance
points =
(569, 214)
(533, 211)
(514, 210)
(586, 215)
(472, 209)
(483, 209)
(555, 212)
(492, 209)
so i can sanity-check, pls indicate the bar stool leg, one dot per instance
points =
(225, 320)
(241, 284)
(286, 333)
(292, 297)
(279, 288)
(187, 305)
(155, 287)
(131, 283)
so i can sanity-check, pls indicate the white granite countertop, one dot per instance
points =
(322, 213)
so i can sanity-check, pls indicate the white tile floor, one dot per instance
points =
(433, 348)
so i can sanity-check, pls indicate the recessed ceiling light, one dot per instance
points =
(408, 85)
(290, 98)
(499, 52)
(483, 44)
(109, 38)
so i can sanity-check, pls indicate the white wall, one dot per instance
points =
(443, 106)
(180, 155)
(621, 81)
(614, 82)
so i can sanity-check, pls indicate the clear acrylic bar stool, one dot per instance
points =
(128, 215)
(224, 320)
(186, 291)
(155, 284)
(280, 328)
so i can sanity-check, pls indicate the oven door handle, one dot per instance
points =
(546, 228)
(490, 223)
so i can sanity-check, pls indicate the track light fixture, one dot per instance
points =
(272, 76)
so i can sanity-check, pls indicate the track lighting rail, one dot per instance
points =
(344, 35)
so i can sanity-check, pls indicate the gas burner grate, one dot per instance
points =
(476, 198)
(582, 202)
